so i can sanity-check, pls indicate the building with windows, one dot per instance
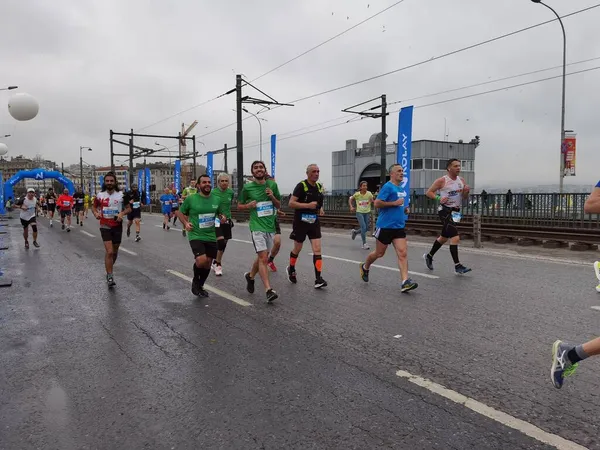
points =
(428, 162)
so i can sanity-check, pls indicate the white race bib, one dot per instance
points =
(206, 220)
(363, 203)
(110, 212)
(264, 209)
(456, 216)
(136, 205)
(309, 218)
(66, 203)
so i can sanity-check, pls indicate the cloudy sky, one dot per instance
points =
(97, 65)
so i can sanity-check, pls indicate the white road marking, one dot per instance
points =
(127, 251)
(219, 292)
(597, 308)
(87, 234)
(394, 269)
(487, 411)
(398, 336)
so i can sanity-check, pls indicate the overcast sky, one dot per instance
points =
(97, 65)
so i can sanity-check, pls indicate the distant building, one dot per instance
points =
(428, 162)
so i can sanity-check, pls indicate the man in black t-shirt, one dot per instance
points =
(51, 201)
(307, 201)
(135, 199)
(79, 198)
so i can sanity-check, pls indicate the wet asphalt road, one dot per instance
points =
(147, 365)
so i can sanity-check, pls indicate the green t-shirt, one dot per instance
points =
(225, 198)
(202, 212)
(262, 218)
(189, 191)
(363, 202)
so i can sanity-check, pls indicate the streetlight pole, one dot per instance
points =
(81, 164)
(9, 88)
(259, 127)
(564, 85)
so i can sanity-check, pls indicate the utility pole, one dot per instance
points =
(62, 168)
(131, 159)
(239, 136)
(112, 152)
(225, 156)
(195, 176)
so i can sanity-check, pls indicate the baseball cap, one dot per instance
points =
(31, 190)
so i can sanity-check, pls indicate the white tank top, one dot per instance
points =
(453, 190)
(29, 213)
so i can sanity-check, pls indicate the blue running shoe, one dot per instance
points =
(561, 366)
(409, 285)
(461, 270)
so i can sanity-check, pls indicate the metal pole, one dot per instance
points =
(383, 139)
(112, 156)
(81, 166)
(131, 160)
(225, 156)
(194, 175)
(62, 168)
(239, 134)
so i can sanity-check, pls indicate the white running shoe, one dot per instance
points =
(218, 271)
(366, 247)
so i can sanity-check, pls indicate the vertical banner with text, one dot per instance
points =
(273, 153)
(404, 151)
(209, 166)
(140, 181)
(126, 181)
(569, 154)
(177, 176)
(101, 180)
(2, 211)
(147, 183)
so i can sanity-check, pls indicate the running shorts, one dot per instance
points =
(112, 234)
(262, 241)
(388, 235)
(26, 223)
(51, 207)
(224, 231)
(65, 212)
(302, 230)
(167, 211)
(204, 248)
(135, 214)
(449, 228)
(78, 207)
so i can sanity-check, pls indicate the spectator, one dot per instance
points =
(484, 199)
(509, 196)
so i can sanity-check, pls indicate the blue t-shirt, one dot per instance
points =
(164, 199)
(174, 201)
(394, 216)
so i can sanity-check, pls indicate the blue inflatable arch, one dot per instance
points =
(36, 174)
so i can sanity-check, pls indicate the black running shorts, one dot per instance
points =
(112, 234)
(51, 207)
(302, 230)
(135, 214)
(449, 228)
(224, 231)
(65, 212)
(388, 235)
(204, 248)
(26, 223)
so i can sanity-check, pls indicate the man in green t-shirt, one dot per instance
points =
(262, 198)
(197, 214)
(191, 189)
(225, 195)
(363, 199)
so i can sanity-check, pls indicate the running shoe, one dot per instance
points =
(409, 285)
(62, 227)
(354, 233)
(428, 261)
(168, 227)
(202, 292)
(138, 238)
(364, 273)
(51, 225)
(81, 223)
(164, 226)
(366, 247)
(68, 229)
(183, 233)
(561, 366)
(26, 245)
(218, 270)
(272, 266)
(461, 270)
(291, 275)
(249, 283)
(35, 244)
(110, 281)
(320, 283)
(271, 295)
(196, 286)
(213, 265)
(128, 231)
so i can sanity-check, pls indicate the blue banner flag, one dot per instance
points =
(147, 176)
(126, 181)
(101, 180)
(404, 152)
(209, 166)
(273, 153)
(2, 201)
(177, 176)
(140, 181)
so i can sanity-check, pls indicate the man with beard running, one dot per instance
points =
(307, 201)
(51, 201)
(262, 198)
(198, 214)
(390, 228)
(223, 229)
(79, 198)
(110, 206)
(29, 206)
(452, 191)
(135, 202)
(65, 205)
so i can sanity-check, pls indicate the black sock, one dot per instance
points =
(573, 356)
(203, 275)
(318, 263)
(271, 259)
(435, 248)
(454, 253)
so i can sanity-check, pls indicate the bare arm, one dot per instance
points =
(350, 203)
(466, 189)
(592, 204)
(295, 204)
(436, 186)
(244, 206)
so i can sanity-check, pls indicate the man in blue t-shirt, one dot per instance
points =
(166, 201)
(390, 227)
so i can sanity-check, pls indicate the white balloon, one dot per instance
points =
(23, 106)
(3, 150)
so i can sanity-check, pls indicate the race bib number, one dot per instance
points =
(80, 200)
(66, 203)
(309, 218)
(363, 203)
(264, 209)
(168, 202)
(136, 205)
(206, 220)
(51, 201)
(456, 216)
(217, 222)
(110, 212)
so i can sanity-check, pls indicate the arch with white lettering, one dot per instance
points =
(36, 174)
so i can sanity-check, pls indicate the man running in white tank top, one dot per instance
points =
(450, 190)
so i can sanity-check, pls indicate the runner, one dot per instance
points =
(135, 201)
(110, 206)
(65, 205)
(261, 197)
(191, 189)
(307, 201)
(44, 206)
(223, 229)
(363, 199)
(390, 228)
(79, 198)
(175, 198)
(29, 206)
(565, 358)
(86, 205)
(166, 201)
(452, 190)
(198, 214)
(276, 242)
(51, 200)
